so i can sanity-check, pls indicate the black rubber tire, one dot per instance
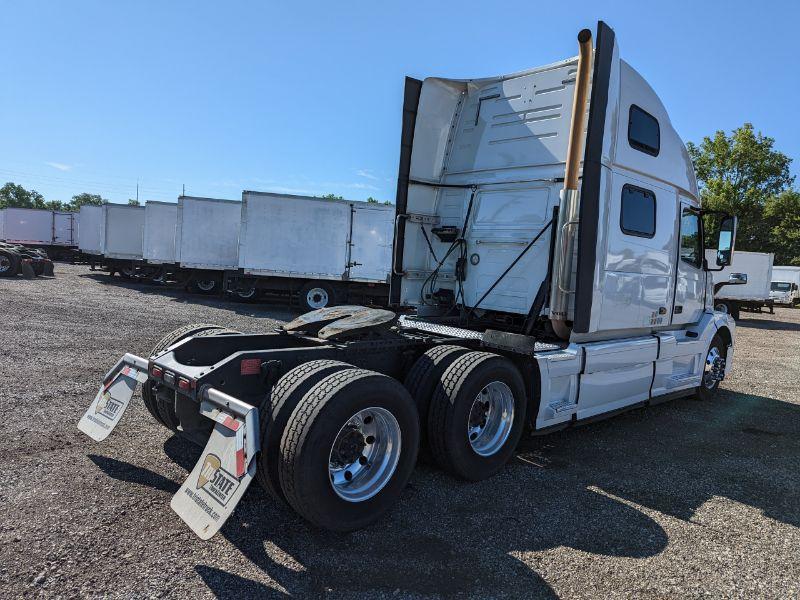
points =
(425, 376)
(449, 413)
(193, 286)
(702, 392)
(285, 396)
(311, 432)
(149, 399)
(316, 284)
(14, 259)
(38, 268)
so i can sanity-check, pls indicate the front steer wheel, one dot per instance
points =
(477, 415)
(713, 369)
(349, 449)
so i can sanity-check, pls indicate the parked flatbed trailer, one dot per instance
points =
(533, 311)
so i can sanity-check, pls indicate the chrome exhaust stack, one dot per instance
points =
(562, 289)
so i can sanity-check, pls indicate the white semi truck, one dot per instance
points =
(785, 285)
(542, 294)
(322, 251)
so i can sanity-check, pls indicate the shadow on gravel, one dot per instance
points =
(264, 309)
(768, 324)
(585, 488)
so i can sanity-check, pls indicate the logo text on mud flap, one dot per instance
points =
(216, 481)
(108, 406)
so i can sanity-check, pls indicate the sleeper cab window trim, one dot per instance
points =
(644, 200)
(644, 131)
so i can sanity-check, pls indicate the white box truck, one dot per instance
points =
(785, 287)
(122, 237)
(90, 233)
(324, 251)
(52, 231)
(510, 334)
(733, 292)
(160, 221)
(207, 240)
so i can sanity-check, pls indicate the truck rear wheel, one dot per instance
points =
(204, 284)
(151, 402)
(477, 415)
(9, 263)
(423, 378)
(349, 449)
(285, 396)
(713, 369)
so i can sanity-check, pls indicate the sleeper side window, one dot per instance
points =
(638, 212)
(691, 248)
(644, 133)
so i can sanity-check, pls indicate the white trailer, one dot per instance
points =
(526, 319)
(160, 221)
(207, 240)
(28, 226)
(123, 234)
(785, 286)
(745, 284)
(328, 251)
(90, 233)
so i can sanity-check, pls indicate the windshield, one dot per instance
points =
(780, 286)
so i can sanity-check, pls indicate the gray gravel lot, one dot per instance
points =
(684, 499)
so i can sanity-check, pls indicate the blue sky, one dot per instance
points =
(305, 97)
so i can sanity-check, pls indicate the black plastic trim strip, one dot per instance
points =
(413, 88)
(590, 186)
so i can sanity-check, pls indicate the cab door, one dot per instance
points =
(690, 277)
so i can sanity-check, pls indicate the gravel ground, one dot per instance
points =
(684, 499)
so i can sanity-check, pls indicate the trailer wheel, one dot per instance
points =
(127, 271)
(204, 285)
(148, 396)
(316, 294)
(285, 396)
(713, 369)
(9, 263)
(423, 378)
(349, 449)
(247, 294)
(477, 415)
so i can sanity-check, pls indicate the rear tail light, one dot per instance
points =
(156, 372)
(185, 384)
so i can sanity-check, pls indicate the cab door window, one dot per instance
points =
(691, 243)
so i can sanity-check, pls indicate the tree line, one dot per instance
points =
(13, 195)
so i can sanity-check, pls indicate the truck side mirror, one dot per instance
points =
(727, 240)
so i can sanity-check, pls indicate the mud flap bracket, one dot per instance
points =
(108, 406)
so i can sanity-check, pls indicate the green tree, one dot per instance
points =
(13, 195)
(782, 212)
(133, 202)
(54, 205)
(737, 174)
(86, 199)
(332, 197)
(372, 200)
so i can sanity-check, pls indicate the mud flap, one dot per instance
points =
(48, 269)
(27, 269)
(110, 403)
(225, 468)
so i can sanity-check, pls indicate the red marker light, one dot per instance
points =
(157, 372)
(184, 383)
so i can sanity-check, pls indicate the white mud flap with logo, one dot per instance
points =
(111, 401)
(226, 466)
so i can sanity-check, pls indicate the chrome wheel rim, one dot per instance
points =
(491, 418)
(714, 369)
(317, 297)
(206, 285)
(365, 454)
(721, 308)
(5, 263)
